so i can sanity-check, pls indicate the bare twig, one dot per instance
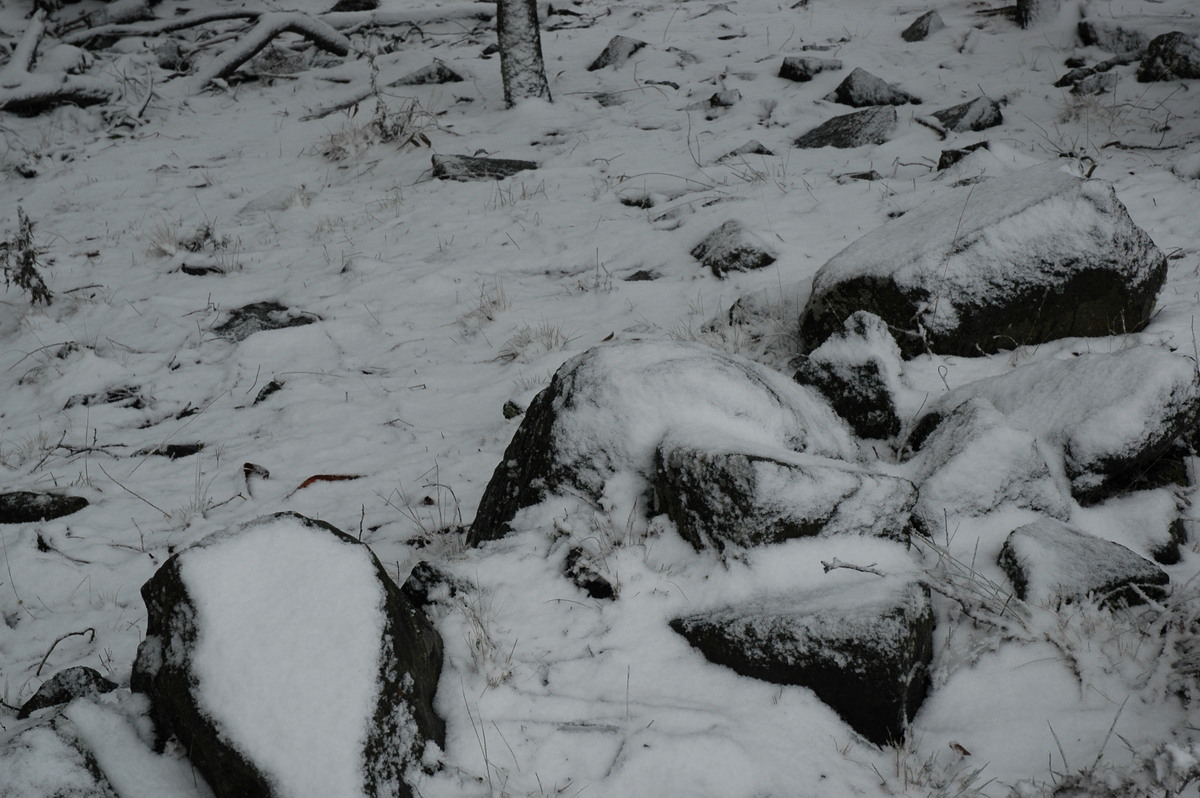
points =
(42, 664)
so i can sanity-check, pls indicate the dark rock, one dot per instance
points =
(428, 583)
(950, 157)
(1108, 416)
(172, 451)
(641, 276)
(802, 68)
(1170, 56)
(607, 410)
(619, 50)
(1031, 12)
(435, 73)
(64, 687)
(272, 387)
(751, 147)
(1048, 560)
(717, 104)
(466, 167)
(123, 396)
(922, 26)
(861, 89)
(865, 651)
(858, 371)
(978, 114)
(354, 5)
(1081, 73)
(945, 283)
(1101, 83)
(977, 461)
(1114, 35)
(719, 498)
(190, 610)
(733, 248)
(870, 176)
(23, 507)
(259, 317)
(582, 569)
(511, 410)
(859, 129)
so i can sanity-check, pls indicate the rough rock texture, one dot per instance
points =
(861, 89)
(923, 26)
(1169, 57)
(719, 498)
(409, 661)
(802, 68)
(751, 147)
(863, 649)
(466, 167)
(859, 129)
(619, 50)
(64, 687)
(1107, 416)
(858, 371)
(606, 411)
(978, 114)
(977, 461)
(23, 507)
(1048, 560)
(586, 573)
(952, 156)
(1100, 83)
(259, 316)
(1019, 259)
(733, 248)
(1095, 74)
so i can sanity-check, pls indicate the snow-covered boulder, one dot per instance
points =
(64, 687)
(978, 114)
(802, 68)
(864, 649)
(288, 664)
(858, 371)
(977, 461)
(1022, 258)
(861, 89)
(923, 26)
(717, 497)
(618, 50)
(50, 761)
(1170, 56)
(733, 248)
(1048, 561)
(1100, 418)
(869, 126)
(607, 410)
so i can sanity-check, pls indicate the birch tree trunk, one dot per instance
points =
(520, 41)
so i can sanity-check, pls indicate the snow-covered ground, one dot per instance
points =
(439, 301)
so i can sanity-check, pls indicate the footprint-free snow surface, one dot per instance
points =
(407, 322)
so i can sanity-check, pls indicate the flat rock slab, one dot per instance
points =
(859, 129)
(928, 23)
(863, 649)
(287, 663)
(858, 371)
(719, 498)
(802, 68)
(260, 317)
(861, 89)
(1105, 417)
(23, 507)
(1048, 561)
(607, 410)
(465, 167)
(1023, 258)
(733, 248)
(64, 687)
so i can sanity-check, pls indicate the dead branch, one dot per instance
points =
(269, 26)
(356, 19)
(157, 27)
(835, 563)
(42, 664)
(17, 68)
(28, 94)
(114, 13)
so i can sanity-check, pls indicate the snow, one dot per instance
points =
(419, 284)
(290, 672)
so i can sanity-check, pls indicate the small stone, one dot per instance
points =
(465, 167)
(64, 687)
(978, 114)
(923, 26)
(731, 247)
(861, 89)
(802, 68)
(619, 50)
(23, 507)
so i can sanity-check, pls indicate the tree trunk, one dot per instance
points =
(520, 41)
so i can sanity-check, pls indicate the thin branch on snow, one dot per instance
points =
(157, 27)
(835, 563)
(270, 25)
(355, 19)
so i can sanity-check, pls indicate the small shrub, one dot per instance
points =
(21, 260)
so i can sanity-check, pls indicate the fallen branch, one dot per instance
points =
(355, 19)
(114, 13)
(42, 664)
(269, 26)
(27, 94)
(835, 563)
(157, 27)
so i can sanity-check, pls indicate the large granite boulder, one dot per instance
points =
(977, 461)
(864, 649)
(1019, 259)
(858, 370)
(1101, 418)
(607, 410)
(1170, 56)
(1050, 561)
(722, 496)
(287, 663)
